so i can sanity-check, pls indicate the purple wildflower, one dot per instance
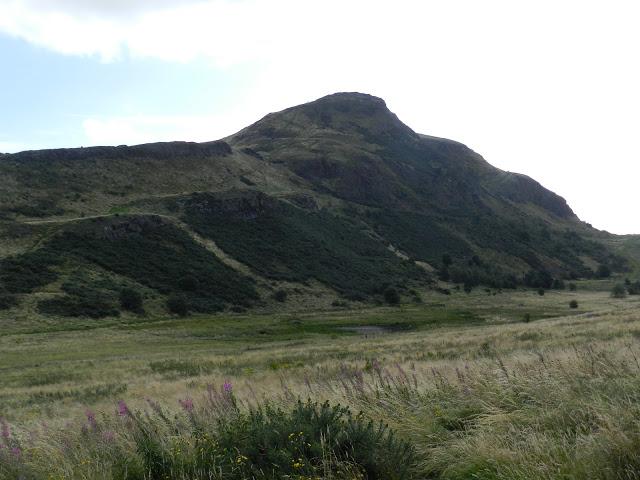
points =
(5, 431)
(123, 410)
(187, 404)
(108, 436)
(227, 387)
(91, 419)
(16, 451)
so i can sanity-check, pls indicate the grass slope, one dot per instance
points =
(472, 389)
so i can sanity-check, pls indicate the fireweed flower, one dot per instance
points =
(227, 387)
(5, 432)
(123, 410)
(108, 436)
(187, 404)
(16, 451)
(91, 419)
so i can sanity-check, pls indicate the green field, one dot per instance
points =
(480, 385)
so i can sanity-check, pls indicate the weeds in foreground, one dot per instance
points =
(571, 414)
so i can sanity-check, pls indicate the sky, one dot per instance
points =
(546, 88)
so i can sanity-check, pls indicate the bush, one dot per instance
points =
(189, 283)
(618, 291)
(391, 296)
(541, 292)
(280, 296)
(7, 301)
(178, 305)
(573, 304)
(91, 306)
(130, 300)
(527, 317)
(308, 441)
(573, 287)
(603, 271)
(634, 288)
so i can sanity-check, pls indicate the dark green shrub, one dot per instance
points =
(303, 244)
(618, 291)
(178, 305)
(573, 287)
(277, 443)
(541, 292)
(156, 256)
(280, 296)
(24, 273)
(72, 306)
(7, 301)
(527, 317)
(189, 283)
(308, 441)
(603, 271)
(391, 296)
(634, 288)
(131, 300)
(538, 279)
(573, 304)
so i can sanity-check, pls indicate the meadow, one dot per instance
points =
(489, 385)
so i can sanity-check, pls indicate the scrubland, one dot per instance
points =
(490, 385)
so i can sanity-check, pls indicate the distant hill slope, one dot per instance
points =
(335, 196)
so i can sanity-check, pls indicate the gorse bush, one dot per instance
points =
(178, 304)
(26, 272)
(302, 244)
(214, 438)
(92, 306)
(618, 291)
(7, 301)
(131, 300)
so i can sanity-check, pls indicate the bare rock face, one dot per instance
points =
(245, 205)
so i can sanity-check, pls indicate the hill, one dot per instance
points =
(329, 201)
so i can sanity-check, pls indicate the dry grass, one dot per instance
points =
(498, 398)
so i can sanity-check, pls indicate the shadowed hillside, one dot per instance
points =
(334, 199)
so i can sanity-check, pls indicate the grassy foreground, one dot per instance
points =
(458, 387)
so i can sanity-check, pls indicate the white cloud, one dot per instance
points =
(136, 129)
(545, 88)
(11, 147)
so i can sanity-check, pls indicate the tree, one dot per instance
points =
(391, 296)
(130, 300)
(178, 305)
(444, 274)
(618, 291)
(603, 271)
(188, 283)
(446, 260)
(280, 296)
(634, 288)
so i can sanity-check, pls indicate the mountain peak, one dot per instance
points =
(343, 113)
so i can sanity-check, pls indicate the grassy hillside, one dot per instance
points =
(333, 200)
(281, 241)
